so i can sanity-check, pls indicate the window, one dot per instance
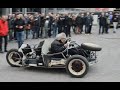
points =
(16, 9)
(33, 9)
(59, 8)
(67, 8)
(50, 8)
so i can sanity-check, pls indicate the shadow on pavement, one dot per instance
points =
(46, 70)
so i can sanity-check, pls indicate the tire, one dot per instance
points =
(90, 46)
(74, 59)
(10, 60)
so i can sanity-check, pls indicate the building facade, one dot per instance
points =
(42, 10)
(7, 11)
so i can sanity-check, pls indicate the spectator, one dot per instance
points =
(36, 27)
(42, 24)
(79, 23)
(27, 25)
(83, 21)
(54, 26)
(88, 23)
(3, 32)
(111, 16)
(11, 26)
(102, 23)
(50, 22)
(61, 23)
(31, 24)
(46, 27)
(14, 18)
(19, 27)
(74, 23)
(108, 23)
(115, 22)
(69, 24)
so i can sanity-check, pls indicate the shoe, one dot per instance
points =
(114, 32)
(6, 51)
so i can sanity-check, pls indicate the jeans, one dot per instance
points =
(6, 41)
(60, 29)
(36, 30)
(54, 31)
(49, 31)
(107, 27)
(67, 31)
(15, 34)
(115, 26)
(20, 38)
(41, 31)
(88, 29)
(103, 29)
(10, 34)
(27, 33)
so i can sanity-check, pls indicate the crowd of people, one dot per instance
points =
(22, 26)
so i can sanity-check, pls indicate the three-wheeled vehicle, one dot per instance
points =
(76, 65)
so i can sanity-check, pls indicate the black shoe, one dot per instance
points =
(6, 51)
(114, 32)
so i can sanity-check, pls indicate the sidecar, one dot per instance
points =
(41, 56)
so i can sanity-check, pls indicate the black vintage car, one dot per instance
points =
(40, 56)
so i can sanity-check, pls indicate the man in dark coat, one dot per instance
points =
(102, 23)
(69, 24)
(88, 23)
(60, 44)
(19, 24)
(36, 27)
(11, 26)
(60, 23)
(79, 23)
(50, 22)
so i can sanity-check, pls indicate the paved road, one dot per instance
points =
(106, 70)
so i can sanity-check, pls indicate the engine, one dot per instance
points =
(32, 55)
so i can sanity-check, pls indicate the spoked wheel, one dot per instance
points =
(14, 58)
(77, 66)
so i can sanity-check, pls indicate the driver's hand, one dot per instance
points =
(65, 45)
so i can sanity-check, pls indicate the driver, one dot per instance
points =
(60, 44)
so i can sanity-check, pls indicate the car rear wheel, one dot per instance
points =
(14, 58)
